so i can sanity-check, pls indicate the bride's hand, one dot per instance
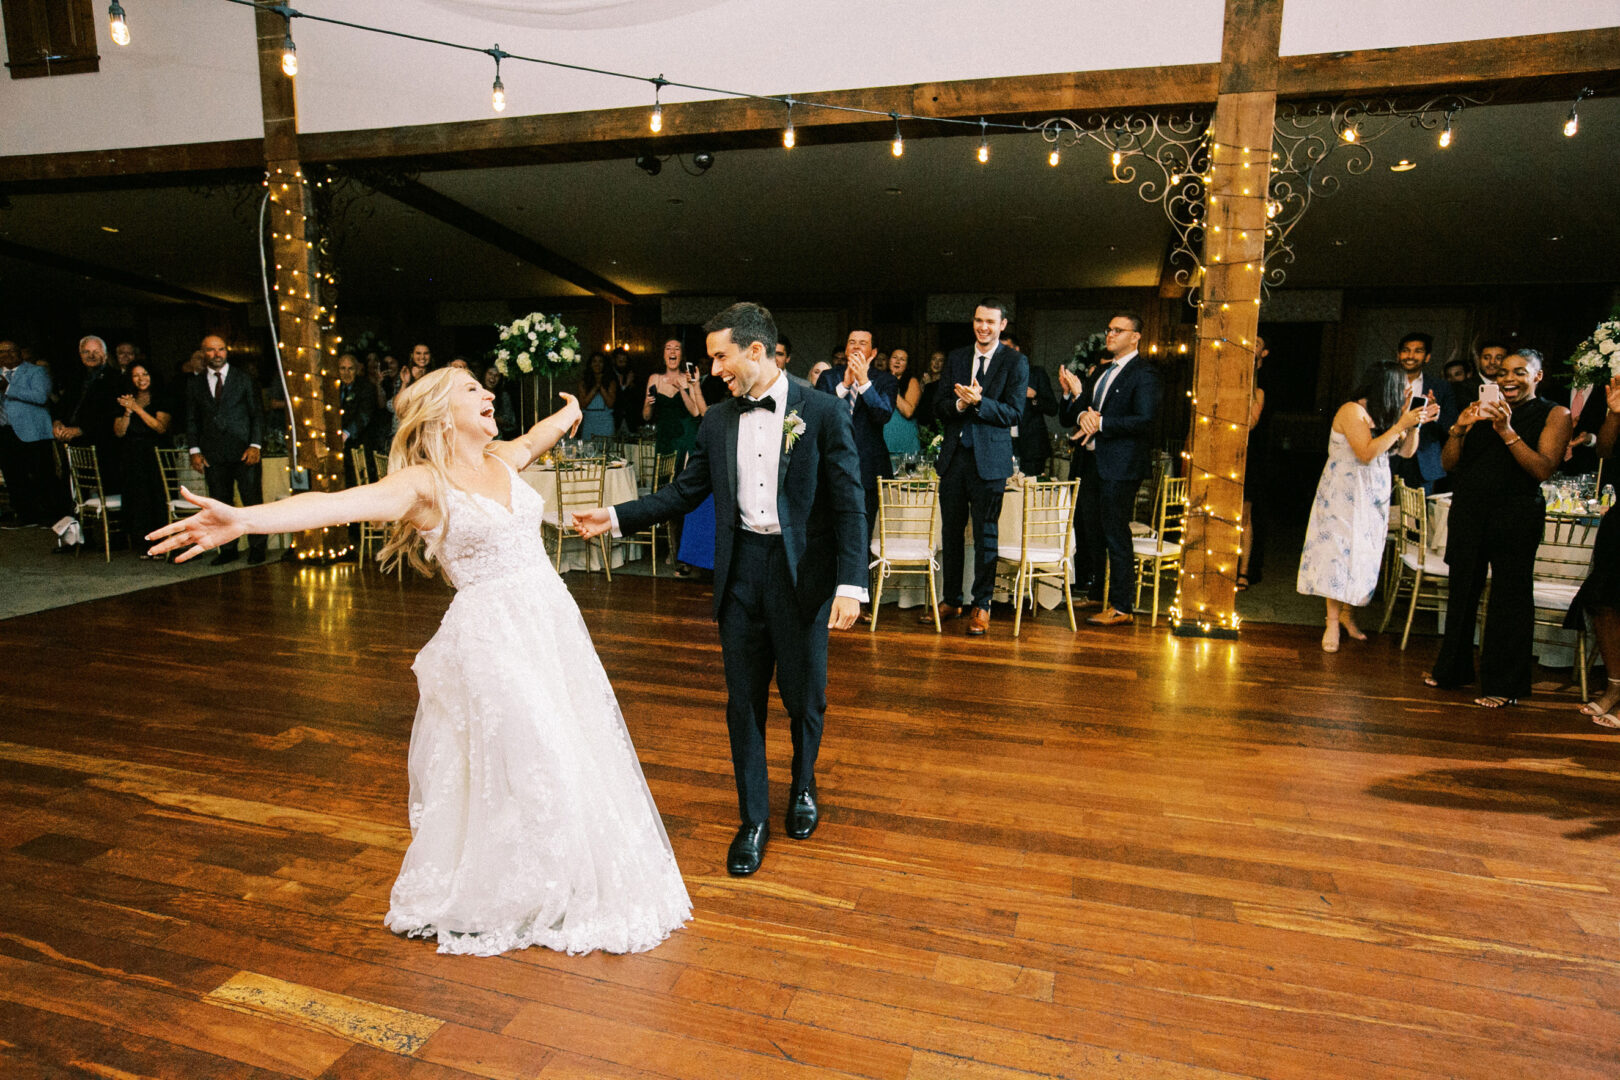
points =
(214, 524)
(570, 414)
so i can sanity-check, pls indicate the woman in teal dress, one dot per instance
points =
(900, 433)
(597, 390)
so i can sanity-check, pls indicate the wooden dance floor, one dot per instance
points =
(1106, 854)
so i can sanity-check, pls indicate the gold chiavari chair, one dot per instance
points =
(1161, 552)
(1420, 574)
(575, 485)
(175, 465)
(1563, 559)
(1045, 550)
(90, 499)
(907, 537)
(663, 471)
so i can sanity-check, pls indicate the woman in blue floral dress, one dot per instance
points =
(1344, 541)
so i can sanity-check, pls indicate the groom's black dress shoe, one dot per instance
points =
(802, 815)
(747, 848)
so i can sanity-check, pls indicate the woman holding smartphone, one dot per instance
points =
(1344, 541)
(1497, 454)
(674, 405)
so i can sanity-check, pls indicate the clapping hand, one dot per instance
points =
(214, 524)
(1431, 409)
(1611, 394)
(1069, 381)
(127, 401)
(856, 366)
(971, 394)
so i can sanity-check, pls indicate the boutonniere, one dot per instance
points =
(792, 428)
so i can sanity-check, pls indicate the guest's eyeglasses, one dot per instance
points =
(1120, 330)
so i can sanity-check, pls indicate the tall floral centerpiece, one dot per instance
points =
(1597, 359)
(536, 346)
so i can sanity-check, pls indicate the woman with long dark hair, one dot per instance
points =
(1496, 456)
(140, 429)
(1344, 542)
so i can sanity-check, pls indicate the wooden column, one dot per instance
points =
(1228, 317)
(311, 378)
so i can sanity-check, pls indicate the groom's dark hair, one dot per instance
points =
(748, 323)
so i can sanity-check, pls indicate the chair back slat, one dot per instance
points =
(578, 486)
(1049, 515)
(906, 514)
(1565, 551)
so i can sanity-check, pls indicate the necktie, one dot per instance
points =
(748, 404)
(1102, 386)
(218, 381)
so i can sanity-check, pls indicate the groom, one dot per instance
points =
(789, 533)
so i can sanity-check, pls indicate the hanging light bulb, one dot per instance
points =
(1115, 159)
(984, 141)
(1349, 133)
(289, 55)
(116, 23)
(897, 147)
(657, 122)
(1573, 124)
(1445, 133)
(1053, 158)
(497, 92)
(789, 140)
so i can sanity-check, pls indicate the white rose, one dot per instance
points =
(533, 336)
(551, 356)
(1607, 346)
(567, 353)
(503, 355)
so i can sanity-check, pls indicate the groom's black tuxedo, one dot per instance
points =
(773, 593)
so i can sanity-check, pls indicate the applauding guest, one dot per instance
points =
(140, 429)
(1344, 540)
(868, 394)
(983, 397)
(900, 433)
(598, 391)
(1497, 453)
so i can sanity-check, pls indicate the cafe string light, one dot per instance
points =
(1573, 124)
(116, 24)
(497, 94)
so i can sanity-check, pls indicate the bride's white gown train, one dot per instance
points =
(531, 822)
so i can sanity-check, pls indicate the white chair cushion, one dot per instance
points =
(904, 550)
(114, 502)
(1141, 528)
(1556, 595)
(1433, 565)
(1014, 553)
(1149, 545)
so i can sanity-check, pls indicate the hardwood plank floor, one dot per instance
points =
(1104, 854)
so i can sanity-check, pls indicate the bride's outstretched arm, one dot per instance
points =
(526, 449)
(395, 497)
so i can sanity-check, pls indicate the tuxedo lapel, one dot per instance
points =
(794, 397)
(729, 462)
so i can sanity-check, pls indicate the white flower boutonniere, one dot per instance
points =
(792, 428)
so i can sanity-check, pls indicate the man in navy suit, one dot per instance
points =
(1114, 414)
(226, 425)
(988, 383)
(869, 396)
(789, 555)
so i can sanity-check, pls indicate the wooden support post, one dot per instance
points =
(315, 442)
(1228, 318)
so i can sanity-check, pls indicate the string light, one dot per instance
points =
(1349, 133)
(1445, 133)
(1052, 158)
(116, 23)
(897, 147)
(289, 54)
(984, 141)
(497, 93)
(1573, 124)
(788, 138)
(657, 122)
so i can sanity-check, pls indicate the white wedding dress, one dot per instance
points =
(531, 823)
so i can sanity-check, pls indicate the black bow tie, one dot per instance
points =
(747, 403)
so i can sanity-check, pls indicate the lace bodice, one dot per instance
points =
(483, 541)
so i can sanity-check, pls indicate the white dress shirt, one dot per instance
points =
(216, 387)
(760, 436)
(1112, 374)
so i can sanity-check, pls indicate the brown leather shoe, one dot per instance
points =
(1088, 605)
(978, 622)
(947, 612)
(1111, 617)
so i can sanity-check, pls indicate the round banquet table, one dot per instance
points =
(619, 486)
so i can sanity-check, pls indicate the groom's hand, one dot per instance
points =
(592, 523)
(844, 612)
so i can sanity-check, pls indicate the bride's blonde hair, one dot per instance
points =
(426, 436)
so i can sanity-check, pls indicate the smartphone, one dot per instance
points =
(1490, 392)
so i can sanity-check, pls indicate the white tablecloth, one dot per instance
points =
(620, 486)
(911, 590)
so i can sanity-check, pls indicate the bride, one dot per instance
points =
(531, 823)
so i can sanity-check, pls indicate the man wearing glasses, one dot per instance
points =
(1114, 420)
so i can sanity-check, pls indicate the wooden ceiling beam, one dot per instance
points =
(1530, 68)
(420, 197)
(109, 274)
